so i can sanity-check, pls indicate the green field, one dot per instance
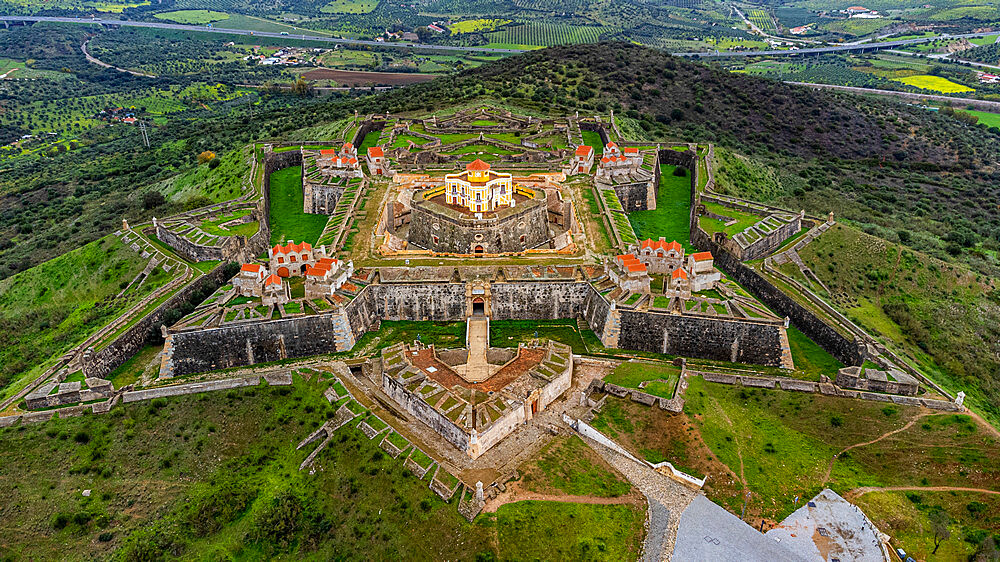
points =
(986, 118)
(476, 26)
(568, 466)
(204, 185)
(934, 83)
(192, 17)
(672, 216)
(546, 34)
(569, 531)
(288, 221)
(349, 7)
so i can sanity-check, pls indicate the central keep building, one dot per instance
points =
(479, 211)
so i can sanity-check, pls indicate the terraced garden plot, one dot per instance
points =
(333, 231)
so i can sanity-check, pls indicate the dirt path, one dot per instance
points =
(515, 493)
(908, 425)
(857, 492)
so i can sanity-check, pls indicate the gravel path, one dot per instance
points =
(667, 500)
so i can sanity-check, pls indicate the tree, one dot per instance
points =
(152, 199)
(205, 156)
(939, 524)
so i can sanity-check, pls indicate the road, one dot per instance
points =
(340, 41)
(98, 62)
(832, 48)
(300, 37)
(985, 105)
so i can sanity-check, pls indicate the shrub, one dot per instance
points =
(105, 537)
(206, 156)
(82, 437)
(836, 420)
(60, 520)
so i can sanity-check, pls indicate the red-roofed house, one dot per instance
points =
(293, 259)
(660, 256)
(326, 276)
(616, 161)
(248, 281)
(583, 160)
(679, 281)
(629, 273)
(276, 291)
(376, 161)
(703, 272)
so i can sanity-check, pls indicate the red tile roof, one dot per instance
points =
(679, 274)
(611, 144)
(251, 267)
(327, 151)
(584, 150)
(477, 165)
(291, 247)
(348, 146)
(661, 244)
(375, 152)
(701, 256)
(630, 150)
(317, 271)
(273, 279)
(636, 266)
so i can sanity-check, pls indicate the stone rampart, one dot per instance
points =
(105, 360)
(246, 344)
(719, 339)
(847, 351)
(192, 388)
(538, 301)
(425, 412)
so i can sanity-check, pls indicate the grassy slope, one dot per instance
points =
(216, 475)
(782, 443)
(221, 184)
(288, 222)
(51, 307)
(942, 315)
(673, 207)
(568, 466)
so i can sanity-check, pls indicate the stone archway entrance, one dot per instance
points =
(283, 272)
(479, 249)
(478, 307)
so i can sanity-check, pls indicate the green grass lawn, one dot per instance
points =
(195, 17)
(569, 531)
(809, 357)
(130, 371)
(567, 465)
(986, 118)
(631, 373)
(510, 333)
(440, 334)
(592, 138)
(671, 218)
(288, 222)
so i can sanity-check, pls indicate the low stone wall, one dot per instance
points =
(192, 388)
(826, 389)
(423, 411)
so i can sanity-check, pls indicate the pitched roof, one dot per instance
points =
(348, 146)
(291, 247)
(317, 271)
(477, 165)
(251, 267)
(701, 256)
(679, 274)
(327, 151)
(272, 280)
(584, 150)
(635, 266)
(611, 144)
(661, 244)
(375, 152)
(630, 150)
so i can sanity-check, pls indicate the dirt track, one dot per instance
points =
(358, 78)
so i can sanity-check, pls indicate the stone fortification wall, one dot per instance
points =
(538, 301)
(274, 161)
(501, 428)
(227, 248)
(595, 311)
(706, 338)
(367, 126)
(105, 360)
(198, 387)
(320, 199)
(463, 235)
(635, 196)
(688, 159)
(246, 344)
(847, 351)
(425, 413)
(440, 302)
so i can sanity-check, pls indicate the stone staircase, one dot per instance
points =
(786, 352)
(342, 331)
(612, 328)
(167, 358)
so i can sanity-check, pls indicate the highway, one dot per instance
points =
(708, 54)
(984, 105)
(274, 34)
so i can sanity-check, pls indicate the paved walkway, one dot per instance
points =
(477, 369)
(667, 500)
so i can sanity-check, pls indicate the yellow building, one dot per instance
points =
(479, 189)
